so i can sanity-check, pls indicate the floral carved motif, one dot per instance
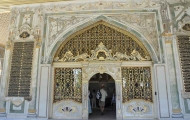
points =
(139, 107)
(58, 25)
(144, 22)
(100, 5)
(89, 71)
(66, 109)
(101, 54)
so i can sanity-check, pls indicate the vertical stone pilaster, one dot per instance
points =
(85, 99)
(118, 99)
(32, 103)
(43, 90)
(176, 110)
(162, 88)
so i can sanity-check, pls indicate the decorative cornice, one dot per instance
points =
(90, 5)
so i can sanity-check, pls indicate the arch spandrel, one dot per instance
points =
(116, 42)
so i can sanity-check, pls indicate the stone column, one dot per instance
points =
(176, 110)
(3, 85)
(85, 99)
(118, 84)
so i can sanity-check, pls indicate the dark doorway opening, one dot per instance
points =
(95, 84)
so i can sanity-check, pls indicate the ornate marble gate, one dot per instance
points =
(102, 48)
(132, 78)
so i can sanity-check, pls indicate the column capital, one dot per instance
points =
(8, 45)
(85, 81)
(118, 81)
(38, 42)
(45, 64)
(168, 37)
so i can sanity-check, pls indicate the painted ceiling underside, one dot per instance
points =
(5, 4)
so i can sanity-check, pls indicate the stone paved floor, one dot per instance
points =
(109, 114)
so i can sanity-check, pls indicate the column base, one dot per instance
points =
(31, 113)
(3, 113)
(177, 115)
(85, 115)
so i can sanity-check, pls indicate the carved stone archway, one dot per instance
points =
(100, 56)
(92, 68)
(77, 30)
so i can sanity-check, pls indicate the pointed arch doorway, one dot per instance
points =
(114, 70)
(95, 83)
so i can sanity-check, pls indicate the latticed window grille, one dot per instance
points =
(136, 83)
(184, 53)
(21, 70)
(68, 84)
(113, 38)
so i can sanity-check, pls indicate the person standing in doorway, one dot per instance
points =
(103, 99)
(89, 105)
(94, 99)
(113, 101)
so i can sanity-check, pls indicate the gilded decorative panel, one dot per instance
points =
(113, 38)
(21, 69)
(136, 83)
(184, 48)
(101, 53)
(68, 84)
